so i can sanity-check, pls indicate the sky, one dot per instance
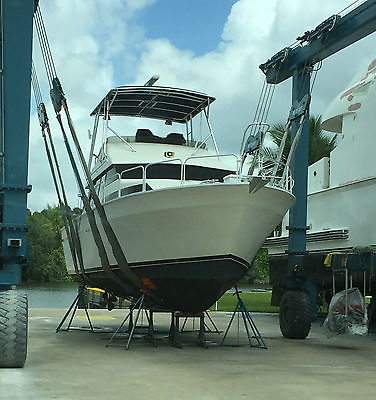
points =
(212, 46)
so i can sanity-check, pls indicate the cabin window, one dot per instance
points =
(133, 174)
(173, 171)
(125, 191)
(112, 196)
(111, 176)
(164, 171)
(133, 189)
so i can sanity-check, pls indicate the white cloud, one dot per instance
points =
(249, 21)
(103, 44)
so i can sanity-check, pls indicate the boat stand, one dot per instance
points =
(208, 329)
(254, 336)
(174, 335)
(73, 309)
(132, 324)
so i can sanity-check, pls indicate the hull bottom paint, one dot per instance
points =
(183, 285)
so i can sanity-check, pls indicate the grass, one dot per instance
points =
(255, 301)
(258, 302)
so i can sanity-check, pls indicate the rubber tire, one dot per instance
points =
(295, 314)
(13, 329)
(371, 313)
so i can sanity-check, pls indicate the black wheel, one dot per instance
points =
(295, 314)
(371, 311)
(13, 329)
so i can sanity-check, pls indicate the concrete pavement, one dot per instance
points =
(77, 365)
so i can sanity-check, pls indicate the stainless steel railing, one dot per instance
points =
(265, 168)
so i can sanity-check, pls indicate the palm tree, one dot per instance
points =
(320, 145)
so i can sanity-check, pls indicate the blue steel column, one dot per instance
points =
(299, 167)
(16, 32)
(298, 213)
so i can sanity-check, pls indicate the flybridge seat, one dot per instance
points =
(146, 136)
(175, 138)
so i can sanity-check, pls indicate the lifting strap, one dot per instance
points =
(132, 283)
(73, 239)
(91, 217)
(112, 238)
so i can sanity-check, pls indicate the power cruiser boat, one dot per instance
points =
(189, 221)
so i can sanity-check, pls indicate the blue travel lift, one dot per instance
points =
(16, 46)
(298, 305)
(329, 37)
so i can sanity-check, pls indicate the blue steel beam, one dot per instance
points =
(329, 37)
(323, 42)
(299, 164)
(16, 42)
(298, 213)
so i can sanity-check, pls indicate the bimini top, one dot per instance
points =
(169, 104)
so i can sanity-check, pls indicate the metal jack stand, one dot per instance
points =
(74, 306)
(213, 328)
(133, 324)
(248, 323)
(174, 336)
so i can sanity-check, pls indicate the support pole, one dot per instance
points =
(297, 278)
(72, 311)
(299, 168)
(16, 31)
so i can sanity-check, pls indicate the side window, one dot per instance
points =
(130, 171)
(99, 187)
(110, 176)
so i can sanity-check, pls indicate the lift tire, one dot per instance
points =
(371, 312)
(295, 314)
(13, 329)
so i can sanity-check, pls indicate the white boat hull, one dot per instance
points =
(201, 237)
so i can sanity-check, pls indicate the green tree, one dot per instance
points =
(47, 262)
(320, 144)
(259, 271)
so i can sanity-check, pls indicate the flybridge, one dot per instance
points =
(157, 102)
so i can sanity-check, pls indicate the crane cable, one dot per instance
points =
(261, 113)
(258, 128)
(66, 212)
(59, 102)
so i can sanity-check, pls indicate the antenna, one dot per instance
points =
(152, 80)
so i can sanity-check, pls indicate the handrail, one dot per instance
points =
(131, 169)
(121, 138)
(265, 170)
(252, 125)
(162, 162)
(212, 156)
(269, 167)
